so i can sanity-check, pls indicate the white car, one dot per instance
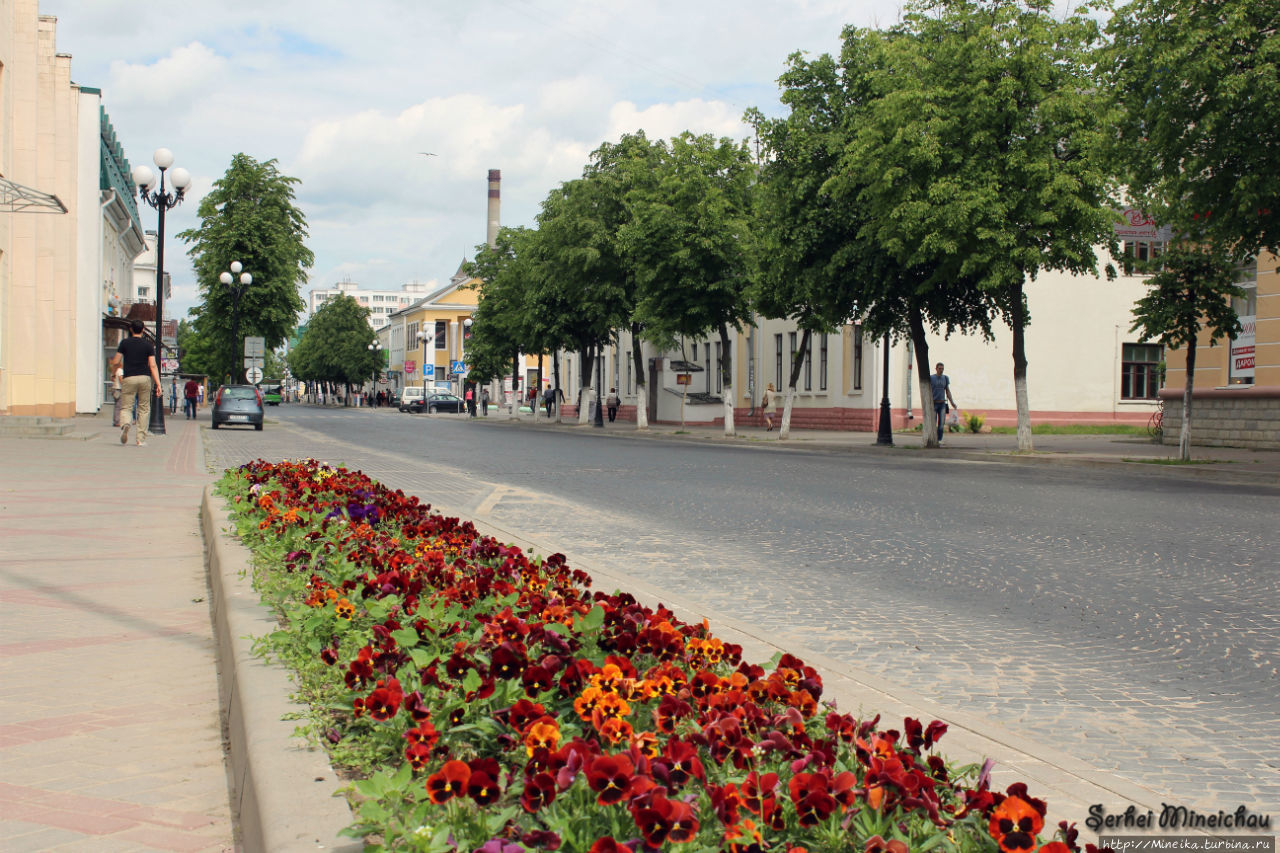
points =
(412, 396)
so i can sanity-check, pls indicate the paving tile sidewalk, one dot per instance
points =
(110, 737)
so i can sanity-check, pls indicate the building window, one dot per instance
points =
(706, 358)
(822, 364)
(1138, 252)
(442, 334)
(412, 331)
(857, 358)
(791, 362)
(777, 367)
(1140, 372)
(719, 372)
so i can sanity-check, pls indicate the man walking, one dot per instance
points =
(138, 357)
(190, 392)
(940, 385)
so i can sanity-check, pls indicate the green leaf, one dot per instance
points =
(593, 620)
(407, 638)
(471, 681)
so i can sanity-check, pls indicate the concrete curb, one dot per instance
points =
(282, 791)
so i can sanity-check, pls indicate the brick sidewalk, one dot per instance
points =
(110, 737)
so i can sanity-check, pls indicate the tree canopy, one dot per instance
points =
(248, 216)
(335, 346)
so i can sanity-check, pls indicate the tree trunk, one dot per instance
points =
(515, 385)
(929, 424)
(1019, 328)
(784, 431)
(537, 393)
(1184, 436)
(726, 374)
(555, 373)
(584, 393)
(642, 395)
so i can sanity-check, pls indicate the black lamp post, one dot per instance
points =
(162, 200)
(376, 349)
(228, 279)
(885, 435)
(426, 338)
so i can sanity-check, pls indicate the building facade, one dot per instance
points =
(381, 303)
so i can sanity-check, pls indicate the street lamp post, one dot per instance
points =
(885, 435)
(426, 338)
(599, 421)
(162, 200)
(376, 349)
(228, 279)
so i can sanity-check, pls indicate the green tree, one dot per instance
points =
(1191, 290)
(335, 346)
(688, 239)
(978, 161)
(198, 354)
(503, 326)
(248, 216)
(1196, 83)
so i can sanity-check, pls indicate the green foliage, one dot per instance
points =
(335, 346)
(503, 319)
(1195, 83)
(974, 423)
(248, 216)
(1191, 291)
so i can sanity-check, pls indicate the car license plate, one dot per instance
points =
(238, 418)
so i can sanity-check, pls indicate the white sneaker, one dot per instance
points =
(141, 444)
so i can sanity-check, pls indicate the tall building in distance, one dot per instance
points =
(381, 303)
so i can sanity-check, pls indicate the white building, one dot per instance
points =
(381, 303)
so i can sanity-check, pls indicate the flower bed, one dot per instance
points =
(485, 700)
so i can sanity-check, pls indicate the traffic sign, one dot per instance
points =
(254, 375)
(254, 361)
(457, 367)
(255, 346)
(428, 371)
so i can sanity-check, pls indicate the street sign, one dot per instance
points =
(254, 361)
(428, 371)
(254, 375)
(684, 378)
(255, 346)
(457, 367)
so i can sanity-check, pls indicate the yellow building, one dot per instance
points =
(1236, 390)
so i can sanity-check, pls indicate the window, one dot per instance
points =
(1140, 372)
(777, 368)
(808, 366)
(1137, 252)
(441, 334)
(822, 364)
(412, 331)
(791, 362)
(857, 358)
(719, 372)
(706, 358)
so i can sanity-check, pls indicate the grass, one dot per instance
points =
(1077, 429)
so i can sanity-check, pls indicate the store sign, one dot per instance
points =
(1138, 226)
(410, 367)
(1242, 350)
(684, 378)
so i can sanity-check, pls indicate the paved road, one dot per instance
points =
(1128, 620)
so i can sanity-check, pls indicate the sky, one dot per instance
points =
(347, 96)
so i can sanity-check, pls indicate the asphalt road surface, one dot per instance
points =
(1131, 621)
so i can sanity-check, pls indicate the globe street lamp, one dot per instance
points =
(153, 192)
(885, 435)
(228, 279)
(426, 338)
(376, 348)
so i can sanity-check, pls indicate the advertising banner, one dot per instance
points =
(1242, 350)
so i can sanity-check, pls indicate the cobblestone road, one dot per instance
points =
(1130, 622)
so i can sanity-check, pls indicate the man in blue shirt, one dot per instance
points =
(940, 384)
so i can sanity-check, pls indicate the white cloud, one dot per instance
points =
(172, 82)
(662, 121)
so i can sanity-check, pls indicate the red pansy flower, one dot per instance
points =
(609, 776)
(449, 782)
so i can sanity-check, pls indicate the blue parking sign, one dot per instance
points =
(428, 371)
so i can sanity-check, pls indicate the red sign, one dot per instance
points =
(684, 378)
(410, 367)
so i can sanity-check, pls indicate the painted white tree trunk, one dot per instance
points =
(1024, 413)
(930, 416)
(642, 408)
(584, 406)
(729, 428)
(784, 432)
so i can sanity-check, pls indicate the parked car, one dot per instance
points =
(238, 404)
(444, 403)
(411, 399)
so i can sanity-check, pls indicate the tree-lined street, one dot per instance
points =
(1122, 618)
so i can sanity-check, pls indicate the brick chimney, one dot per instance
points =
(495, 179)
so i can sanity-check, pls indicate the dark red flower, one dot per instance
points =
(609, 776)
(1014, 825)
(384, 701)
(482, 788)
(608, 845)
(539, 790)
(417, 754)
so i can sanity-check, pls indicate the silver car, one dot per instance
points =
(238, 404)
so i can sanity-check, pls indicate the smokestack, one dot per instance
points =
(495, 179)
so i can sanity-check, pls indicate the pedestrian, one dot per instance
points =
(471, 400)
(190, 392)
(766, 400)
(484, 402)
(116, 378)
(613, 401)
(137, 357)
(200, 395)
(549, 399)
(940, 385)
(173, 395)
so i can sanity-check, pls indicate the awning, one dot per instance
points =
(16, 198)
(684, 366)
